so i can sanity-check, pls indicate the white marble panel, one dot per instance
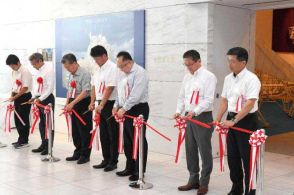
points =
(166, 25)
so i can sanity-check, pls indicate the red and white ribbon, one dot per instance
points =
(223, 134)
(9, 109)
(127, 90)
(181, 124)
(239, 104)
(36, 116)
(120, 122)
(95, 133)
(137, 123)
(257, 138)
(73, 86)
(68, 118)
(195, 97)
(101, 87)
(49, 120)
(18, 84)
(40, 84)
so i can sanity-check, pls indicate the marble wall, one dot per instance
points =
(172, 27)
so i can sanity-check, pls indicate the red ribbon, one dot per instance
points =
(10, 108)
(36, 116)
(196, 98)
(96, 132)
(222, 135)
(77, 115)
(73, 86)
(138, 123)
(9, 111)
(181, 125)
(257, 138)
(18, 84)
(101, 87)
(239, 103)
(40, 84)
(68, 119)
(120, 122)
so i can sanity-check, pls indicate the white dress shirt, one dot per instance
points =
(240, 88)
(197, 92)
(46, 72)
(24, 76)
(132, 88)
(105, 76)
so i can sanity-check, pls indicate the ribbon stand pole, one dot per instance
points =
(260, 171)
(50, 158)
(141, 184)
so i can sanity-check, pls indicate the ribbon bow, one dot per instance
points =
(40, 84)
(222, 135)
(257, 138)
(18, 84)
(96, 132)
(36, 116)
(73, 85)
(120, 121)
(137, 123)
(181, 124)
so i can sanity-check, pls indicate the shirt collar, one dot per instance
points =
(241, 74)
(198, 71)
(105, 65)
(78, 72)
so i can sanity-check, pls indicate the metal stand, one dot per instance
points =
(260, 172)
(50, 157)
(141, 184)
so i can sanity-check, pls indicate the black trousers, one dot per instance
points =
(109, 134)
(239, 152)
(81, 133)
(24, 112)
(42, 125)
(132, 165)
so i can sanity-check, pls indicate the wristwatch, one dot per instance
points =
(234, 120)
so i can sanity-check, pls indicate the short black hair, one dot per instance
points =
(125, 55)
(98, 51)
(37, 57)
(12, 59)
(192, 54)
(240, 53)
(70, 58)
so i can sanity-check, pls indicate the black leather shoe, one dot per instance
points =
(72, 158)
(38, 150)
(134, 178)
(124, 173)
(44, 152)
(14, 143)
(110, 168)
(83, 160)
(102, 165)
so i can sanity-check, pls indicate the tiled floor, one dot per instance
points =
(22, 172)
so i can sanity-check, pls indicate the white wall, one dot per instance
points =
(172, 27)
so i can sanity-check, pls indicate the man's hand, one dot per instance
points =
(69, 107)
(121, 112)
(11, 99)
(114, 110)
(228, 124)
(37, 100)
(177, 115)
(91, 106)
(99, 108)
(190, 114)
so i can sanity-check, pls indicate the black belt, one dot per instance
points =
(232, 114)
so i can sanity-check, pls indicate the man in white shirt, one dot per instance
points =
(196, 101)
(132, 99)
(43, 94)
(240, 98)
(104, 92)
(21, 92)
